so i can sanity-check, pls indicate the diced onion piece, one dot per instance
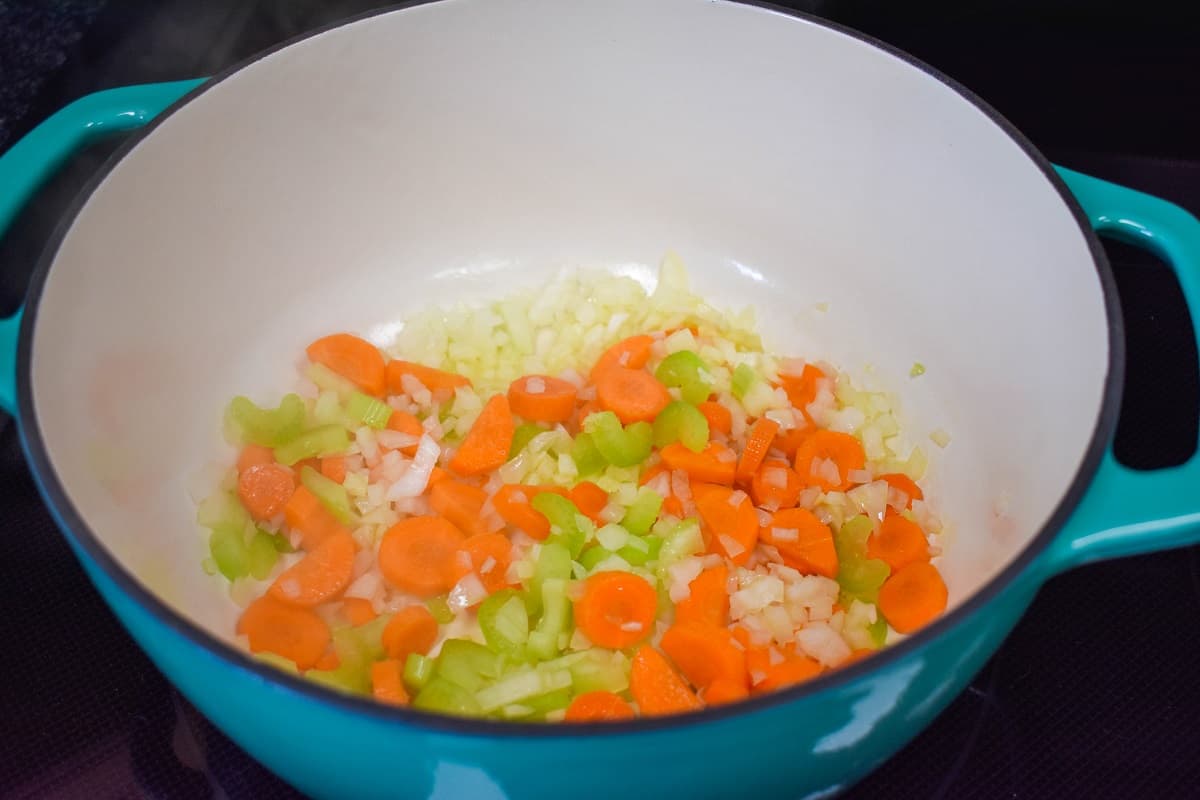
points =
(466, 593)
(413, 482)
(785, 534)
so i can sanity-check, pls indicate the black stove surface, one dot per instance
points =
(1094, 694)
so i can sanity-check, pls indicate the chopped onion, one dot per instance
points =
(764, 517)
(535, 385)
(726, 456)
(785, 534)
(737, 497)
(413, 482)
(364, 437)
(733, 548)
(776, 476)
(859, 475)
(632, 626)
(823, 643)
(395, 440)
(660, 484)
(365, 587)
(681, 487)
(897, 498)
(466, 593)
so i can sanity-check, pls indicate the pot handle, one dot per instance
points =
(37, 155)
(1125, 511)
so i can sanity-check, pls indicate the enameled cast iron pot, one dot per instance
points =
(454, 150)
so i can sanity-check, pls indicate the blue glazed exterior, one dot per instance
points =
(808, 744)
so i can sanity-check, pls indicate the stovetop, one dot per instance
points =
(1093, 695)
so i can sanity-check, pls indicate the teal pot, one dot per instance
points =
(454, 150)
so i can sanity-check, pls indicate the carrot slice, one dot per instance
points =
(809, 549)
(264, 489)
(758, 441)
(704, 653)
(718, 416)
(899, 542)
(898, 480)
(598, 706)
(405, 422)
(634, 395)
(489, 555)
(789, 441)
(322, 574)
(765, 488)
(722, 692)
(460, 503)
(357, 610)
(353, 358)
(729, 524)
(671, 504)
(656, 687)
(586, 410)
(412, 629)
(487, 443)
(708, 599)
(913, 597)
(542, 398)
(513, 503)
(334, 468)
(418, 555)
(802, 389)
(306, 514)
(387, 682)
(716, 463)
(792, 670)
(590, 499)
(841, 448)
(431, 378)
(285, 630)
(633, 353)
(253, 454)
(617, 609)
(328, 661)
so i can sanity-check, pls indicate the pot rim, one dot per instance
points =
(71, 522)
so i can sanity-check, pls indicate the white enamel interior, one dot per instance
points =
(459, 149)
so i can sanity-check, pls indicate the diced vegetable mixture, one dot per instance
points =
(586, 503)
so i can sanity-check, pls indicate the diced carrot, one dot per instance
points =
(656, 687)
(353, 358)
(404, 422)
(723, 692)
(704, 653)
(898, 541)
(590, 499)
(787, 442)
(329, 661)
(286, 630)
(841, 448)
(438, 475)
(730, 525)
(387, 682)
(634, 395)
(913, 597)
(598, 706)
(553, 400)
(898, 480)
(357, 610)
(254, 454)
(265, 489)
(418, 555)
(632, 353)
(489, 555)
(617, 609)
(513, 503)
(586, 410)
(321, 575)
(306, 514)
(758, 442)
(334, 468)
(487, 444)
(802, 389)
(765, 488)
(811, 551)
(431, 378)
(718, 416)
(708, 599)
(792, 670)
(412, 629)
(312, 463)
(460, 503)
(716, 463)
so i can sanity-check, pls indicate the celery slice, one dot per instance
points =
(418, 670)
(327, 440)
(331, 494)
(588, 459)
(263, 426)
(228, 549)
(859, 577)
(567, 525)
(683, 541)
(261, 555)
(681, 422)
(467, 664)
(521, 686)
(743, 379)
(622, 447)
(448, 698)
(524, 435)
(556, 612)
(593, 556)
(640, 516)
(687, 371)
(641, 550)
(222, 510)
(370, 411)
(504, 621)
(600, 670)
(440, 609)
(537, 707)
(878, 631)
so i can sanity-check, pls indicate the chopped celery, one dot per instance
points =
(327, 410)
(851, 538)
(593, 556)
(370, 411)
(282, 544)
(878, 630)
(600, 670)
(683, 541)
(524, 435)
(859, 577)
(587, 458)
(228, 549)
(564, 661)
(266, 427)
(520, 686)
(621, 446)
(643, 512)
(537, 707)
(743, 378)
(687, 371)
(467, 664)
(567, 525)
(345, 679)
(329, 381)
(612, 536)
(278, 662)
(327, 440)
(681, 422)
(440, 609)
(222, 510)
(261, 555)
(331, 493)
(641, 550)
(354, 663)
(370, 636)
(554, 562)
(504, 621)
(418, 669)
(556, 611)
(448, 698)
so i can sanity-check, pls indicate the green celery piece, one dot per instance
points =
(281, 544)
(440, 609)
(222, 510)
(593, 556)
(641, 550)
(743, 379)
(331, 493)
(447, 697)
(264, 426)
(621, 447)
(329, 381)
(641, 515)
(504, 621)
(344, 678)
(353, 671)
(418, 670)
(520, 686)
(878, 630)
(684, 369)
(327, 440)
(524, 435)
(862, 579)
(550, 701)
(228, 549)
(327, 410)
(681, 422)
(556, 612)
(278, 662)
(261, 555)
(370, 411)
(587, 458)
(467, 663)
(601, 670)
(370, 637)
(554, 561)
(566, 523)
(683, 541)
(851, 539)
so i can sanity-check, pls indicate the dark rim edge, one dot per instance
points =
(73, 525)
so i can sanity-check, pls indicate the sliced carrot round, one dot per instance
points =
(412, 629)
(460, 503)
(542, 398)
(598, 706)
(899, 542)
(418, 555)
(404, 422)
(353, 358)
(708, 598)
(633, 353)
(716, 463)
(634, 395)
(656, 687)
(704, 653)
(900, 481)
(804, 542)
(802, 389)
(489, 555)
(758, 442)
(513, 503)
(285, 630)
(792, 670)
(253, 454)
(264, 489)
(487, 444)
(722, 692)
(776, 485)
(719, 417)
(913, 597)
(842, 449)
(729, 524)
(432, 379)
(590, 499)
(387, 682)
(617, 609)
(321, 575)
(357, 610)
